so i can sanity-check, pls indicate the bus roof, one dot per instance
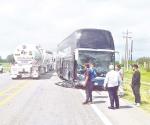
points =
(89, 38)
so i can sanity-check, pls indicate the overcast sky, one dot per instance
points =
(48, 22)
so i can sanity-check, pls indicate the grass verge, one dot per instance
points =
(6, 67)
(144, 90)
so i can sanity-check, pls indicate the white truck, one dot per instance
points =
(29, 61)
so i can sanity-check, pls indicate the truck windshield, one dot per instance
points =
(100, 59)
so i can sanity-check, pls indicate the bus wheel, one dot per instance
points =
(69, 75)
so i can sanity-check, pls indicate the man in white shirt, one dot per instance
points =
(112, 81)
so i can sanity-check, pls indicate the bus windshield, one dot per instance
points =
(100, 59)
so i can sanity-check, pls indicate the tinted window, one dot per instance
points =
(96, 39)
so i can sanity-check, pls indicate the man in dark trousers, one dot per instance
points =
(88, 85)
(136, 84)
(112, 81)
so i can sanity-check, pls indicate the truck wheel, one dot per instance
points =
(69, 75)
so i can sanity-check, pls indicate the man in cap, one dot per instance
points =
(112, 81)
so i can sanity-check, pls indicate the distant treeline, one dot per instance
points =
(143, 60)
(2, 60)
(9, 59)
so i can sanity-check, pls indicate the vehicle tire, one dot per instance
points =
(69, 75)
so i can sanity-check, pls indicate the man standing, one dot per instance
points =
(112, 81)
(136, 84)
(92, 72)
(88, 85)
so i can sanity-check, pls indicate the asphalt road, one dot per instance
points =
(48, 101)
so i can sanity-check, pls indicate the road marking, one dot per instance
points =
(100, 114)
(17, 90)
(9, 88)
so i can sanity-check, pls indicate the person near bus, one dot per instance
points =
(136, 84)
(92, 72)
(120, 89)
(88, 84)
(112, 81)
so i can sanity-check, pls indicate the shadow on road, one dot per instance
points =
(47, 75)
(42, 77)
(97, 102)
(125, 107)
(100, 96)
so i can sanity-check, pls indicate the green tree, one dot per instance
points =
(10, 58)
(2, 60)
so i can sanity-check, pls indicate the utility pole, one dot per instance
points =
(126, 36)
(131, 50)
